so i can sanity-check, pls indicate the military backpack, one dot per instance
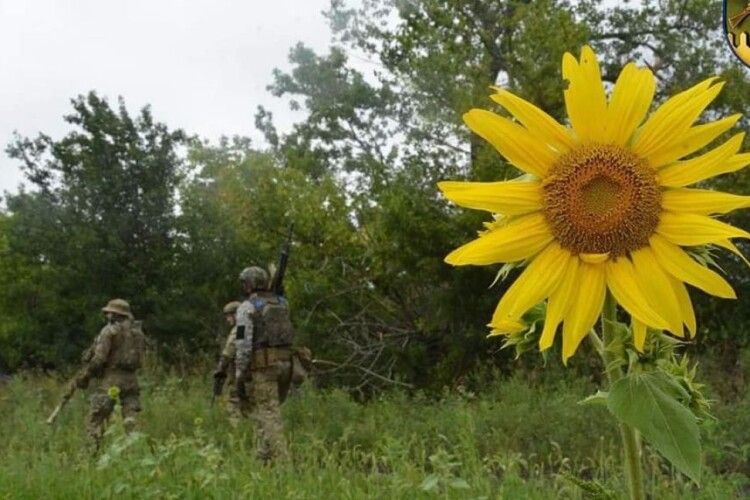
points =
(131, 346)
(273, 327)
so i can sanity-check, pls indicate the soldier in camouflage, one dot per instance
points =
(263, 344)
(112, 362)
(237, 407)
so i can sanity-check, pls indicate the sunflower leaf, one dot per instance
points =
(649, 403)
(598, 399)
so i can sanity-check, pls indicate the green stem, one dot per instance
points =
(630, 438)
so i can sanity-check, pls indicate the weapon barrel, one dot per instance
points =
(66, 397)
(277, 284)
(53, 416)
(218, 385)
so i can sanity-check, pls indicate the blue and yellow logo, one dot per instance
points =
(737, 28)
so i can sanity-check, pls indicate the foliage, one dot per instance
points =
(505, 441)
(99, 224)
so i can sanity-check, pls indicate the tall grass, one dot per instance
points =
(512, 440)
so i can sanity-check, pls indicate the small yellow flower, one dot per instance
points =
(604, 203)
(113, 392)
(198, 421)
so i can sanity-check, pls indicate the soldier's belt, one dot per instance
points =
(267, 356)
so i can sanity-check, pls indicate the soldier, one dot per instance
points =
(112, 360)
(236, 407)
(263, 358)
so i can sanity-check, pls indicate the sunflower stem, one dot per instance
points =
(598, 344)
(630, 437)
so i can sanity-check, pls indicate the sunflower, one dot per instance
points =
(604, 204)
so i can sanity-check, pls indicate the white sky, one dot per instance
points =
(202, 65)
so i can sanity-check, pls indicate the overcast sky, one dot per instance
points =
(202, 65)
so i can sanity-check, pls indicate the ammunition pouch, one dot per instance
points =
(302, 365)
(269, 356)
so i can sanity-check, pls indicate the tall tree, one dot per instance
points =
(395, 128)
(100, 222)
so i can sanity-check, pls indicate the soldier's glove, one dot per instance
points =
(81, 381)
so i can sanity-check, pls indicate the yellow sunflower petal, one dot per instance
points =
(539, 123)
(518, 240)
(509, 198)
(686, 306)
(702, 201)
(680, 265)
(585, 307)
(671, 120)
(584, 98)
(512, 141)
(593, 258)
(693, 229)
(639, 334)
(622, 282)
(535, 284)
(653, 280)
(701, 167)
(693, 140)
(732, 248)
(507, 327)
(735, 163)
(558, 304)
(631, 100)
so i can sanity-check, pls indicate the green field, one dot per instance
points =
(514, 440)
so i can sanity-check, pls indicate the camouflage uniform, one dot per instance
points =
(263, 358)
(237, 407)
(113, 359)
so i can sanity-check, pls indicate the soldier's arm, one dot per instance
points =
(228, 353)
(102, 347)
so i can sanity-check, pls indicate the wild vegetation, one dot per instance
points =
(508, 439)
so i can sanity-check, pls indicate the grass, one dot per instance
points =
(514, 440)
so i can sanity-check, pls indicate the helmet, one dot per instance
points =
(231, 307)
(118, 306)
(256, 276)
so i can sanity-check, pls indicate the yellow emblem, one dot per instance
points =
(737, 28)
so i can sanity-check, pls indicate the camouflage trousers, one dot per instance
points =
(266, 396)
(101, 408)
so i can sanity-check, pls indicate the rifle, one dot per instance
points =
(219, 379)
(740, 17)
(72, 387)
(277, 283)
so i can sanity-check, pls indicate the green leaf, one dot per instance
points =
(648, 402)
(598, 399)
(459, 484)
(430, 483)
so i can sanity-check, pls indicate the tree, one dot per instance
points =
(99, 225)
(397, 129)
